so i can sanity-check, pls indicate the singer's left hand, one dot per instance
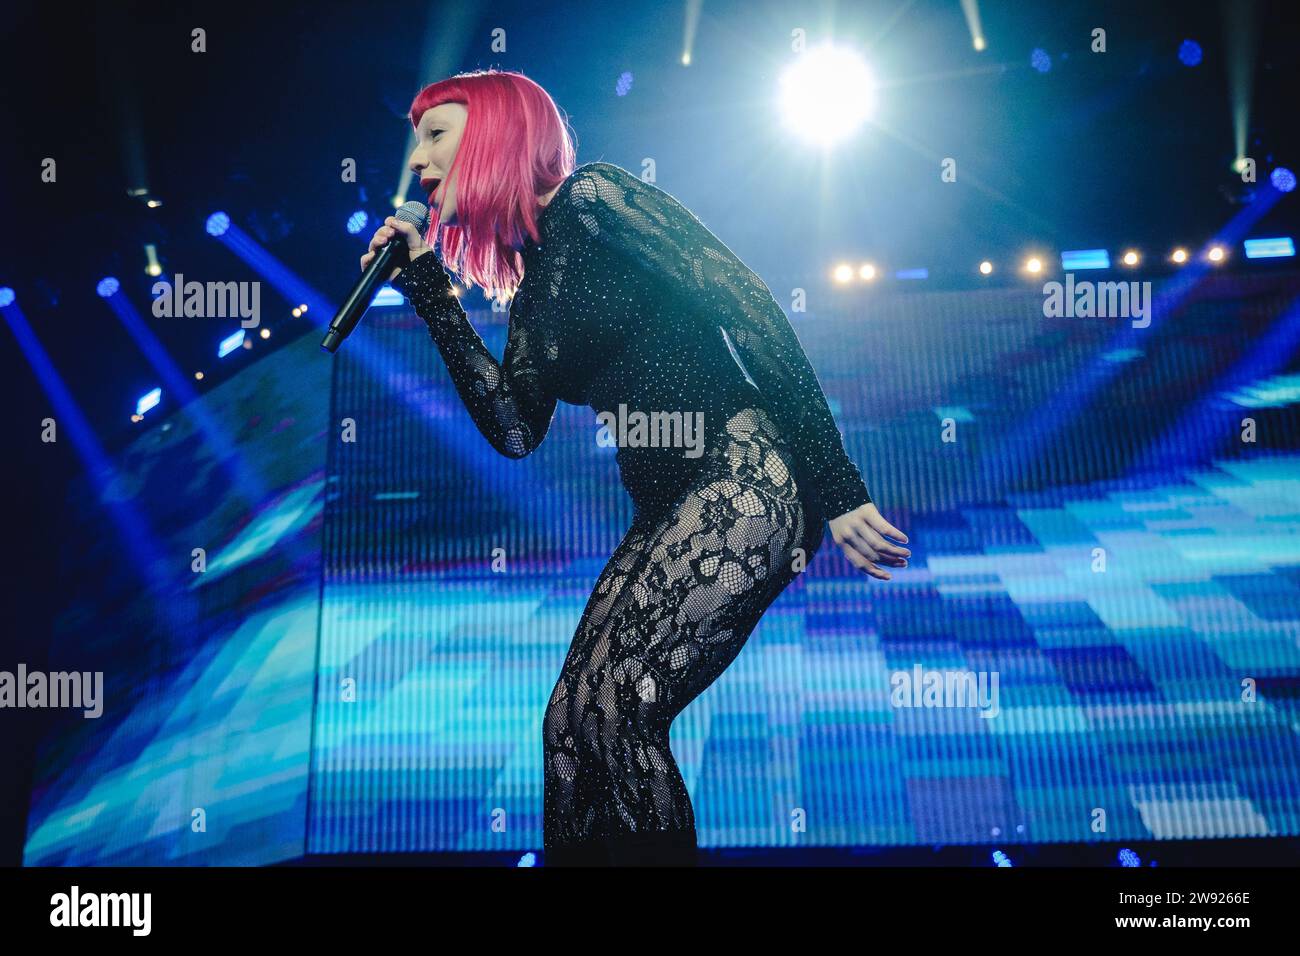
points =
(415, 244)
(863, 535)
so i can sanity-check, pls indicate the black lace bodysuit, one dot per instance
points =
(628, 300)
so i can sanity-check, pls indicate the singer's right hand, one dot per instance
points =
(415, 244)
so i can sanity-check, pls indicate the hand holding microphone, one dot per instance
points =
(394, 245)
(415, 244)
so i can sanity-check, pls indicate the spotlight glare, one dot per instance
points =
(148, 400)
(151, 254)
(1281, 247)
(1283, 179)
(218, 223)
(297, 313)
(198, 376)
(686, 59)
(6, 296)
(866, 272)
(980, 44)
(827, 94)
(107, 287)
(843, 273)
(266, 333)
(1131, 258)
(986, 267)
(1179, 256)
(230, 343)
(1074, 259)
(1033, 264)
(357, 221)
(1216, 254)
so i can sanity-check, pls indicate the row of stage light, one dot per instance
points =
(1215, 254)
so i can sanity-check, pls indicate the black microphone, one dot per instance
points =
(359, 299)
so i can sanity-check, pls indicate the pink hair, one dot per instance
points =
(514, 148)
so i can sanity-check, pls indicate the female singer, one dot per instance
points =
(620, 296)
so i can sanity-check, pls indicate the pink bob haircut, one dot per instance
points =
(515, 147)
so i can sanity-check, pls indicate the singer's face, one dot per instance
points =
(437, 138)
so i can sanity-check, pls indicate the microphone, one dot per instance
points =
(359, 299)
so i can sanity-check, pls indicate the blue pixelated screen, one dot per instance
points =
(201, 753)
(1105, 532)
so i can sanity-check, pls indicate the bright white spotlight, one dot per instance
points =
(986, 267)
(866, 272)
(972, 10)
(147, 401)
(230, 343)
(827, 94)
(151, 255)
(843, 273)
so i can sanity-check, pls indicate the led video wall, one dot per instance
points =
(200, 755)
(1096, 638)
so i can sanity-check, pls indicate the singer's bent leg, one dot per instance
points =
(672, 609)
(571, 800)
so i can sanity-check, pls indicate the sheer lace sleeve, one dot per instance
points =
(655, 230)
(510, 401)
